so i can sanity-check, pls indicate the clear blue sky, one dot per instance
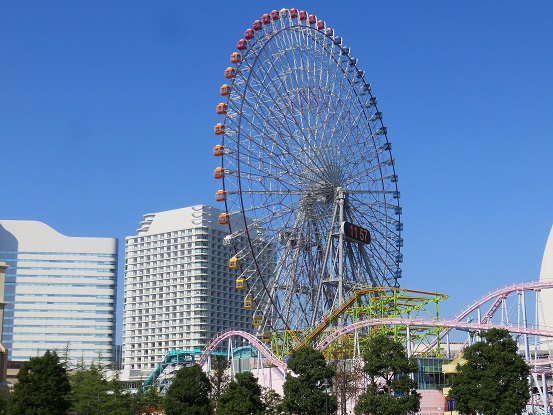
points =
(107, 113)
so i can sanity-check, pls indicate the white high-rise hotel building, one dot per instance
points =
(179, 290)
(60, 293)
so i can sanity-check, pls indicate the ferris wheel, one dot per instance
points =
(307, 175)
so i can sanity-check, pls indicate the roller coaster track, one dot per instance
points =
(339, 333)
(457, 323)
(254, 341)
(497, 297)
(354, 294)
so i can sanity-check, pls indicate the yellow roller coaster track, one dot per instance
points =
(357, 292)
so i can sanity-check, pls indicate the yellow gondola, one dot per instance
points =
(233, 263)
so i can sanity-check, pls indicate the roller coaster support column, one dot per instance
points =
(546, 409)
(409, 351)
(230, 354)
(525, 325)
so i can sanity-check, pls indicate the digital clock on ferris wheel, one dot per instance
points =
(356, 233)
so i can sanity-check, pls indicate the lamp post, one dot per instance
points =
(326, 385)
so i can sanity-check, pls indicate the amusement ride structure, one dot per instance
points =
(312, 205)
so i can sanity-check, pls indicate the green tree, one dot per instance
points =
(390, 390)
(119, 400)
(89, 389)
(272, 401)
(348, 379)
(189, 393)
(219, 378)
(304, 392)
(242, 397)
(494, 379)
(42, 388)
(149, 402)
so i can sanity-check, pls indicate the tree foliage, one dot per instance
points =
(92, 393)
(304, 391)
(42, 388)
(242, 397)
(149, 402)
(189, 393)
(219, 378)
(349, 379)
(119, 400)
(494, 379)
(88, 389)
(272, 401)
(390, 390)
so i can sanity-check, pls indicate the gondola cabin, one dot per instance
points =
(303, 15)
(218, 150)
(224, 90)
(233, 263)
(240, 284)
(321, 25)
(312, 19)
(219, 129)
(224, 219)
(265, 19)
(230, 72)
(220, 196)
(275, 15)
(256, 25)
(221, 108)
(219, 173)
(235, 57)
(266, 336)
(248, 302)
(248, 34)
(257, 320)
(294, 13)
(241, 44)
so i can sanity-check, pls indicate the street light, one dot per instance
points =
(326, 384)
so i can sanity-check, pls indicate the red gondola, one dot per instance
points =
(241, 45)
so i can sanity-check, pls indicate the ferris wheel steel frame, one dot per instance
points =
(304, 152)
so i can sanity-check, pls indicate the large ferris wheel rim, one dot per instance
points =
(242, 191)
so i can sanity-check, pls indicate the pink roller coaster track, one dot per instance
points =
(254, 341)
(456, 323)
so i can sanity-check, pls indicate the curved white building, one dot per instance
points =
(60, 292)
(546, 273)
